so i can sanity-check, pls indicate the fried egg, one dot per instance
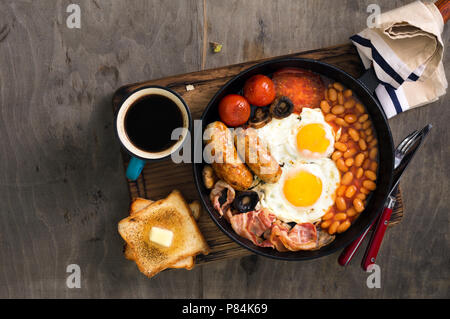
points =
(295, 137)
(304, 193)
(302, 145)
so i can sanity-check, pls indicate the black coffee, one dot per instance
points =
(150, 121)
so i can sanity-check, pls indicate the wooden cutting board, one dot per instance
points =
(160, 178)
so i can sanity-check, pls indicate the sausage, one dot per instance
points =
(257, 156)
(209, 177)
(225, 162)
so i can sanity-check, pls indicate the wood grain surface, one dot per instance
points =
(155, 182)
(62, 185)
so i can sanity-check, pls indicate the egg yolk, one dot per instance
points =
(312, 137)
(302, 189)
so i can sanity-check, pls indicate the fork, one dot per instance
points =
(403, 148)
(399, 153)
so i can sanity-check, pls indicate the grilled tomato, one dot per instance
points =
(259, 90)
(234, 110)
(303, 87)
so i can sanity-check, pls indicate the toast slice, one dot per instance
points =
(172, 213)
(141, 203)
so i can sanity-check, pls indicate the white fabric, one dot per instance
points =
(405, 49)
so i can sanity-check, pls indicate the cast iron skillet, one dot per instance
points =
(385, 145)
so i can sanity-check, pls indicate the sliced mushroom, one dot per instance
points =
(282, 107)
(246, 201)
(260, 118)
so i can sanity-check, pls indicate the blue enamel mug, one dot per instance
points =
(152, 123)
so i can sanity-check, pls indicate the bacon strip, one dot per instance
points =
(261, 227)
(301, 237)
(217, 194)
(253, 225)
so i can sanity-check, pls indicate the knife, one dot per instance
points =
(382, 224)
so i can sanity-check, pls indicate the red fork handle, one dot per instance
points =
(377, 237)
(349, 251)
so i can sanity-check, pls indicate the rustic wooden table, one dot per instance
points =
(62, 186)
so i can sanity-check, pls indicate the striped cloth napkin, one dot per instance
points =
(405, 49)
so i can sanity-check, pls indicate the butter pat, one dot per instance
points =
(161, 236)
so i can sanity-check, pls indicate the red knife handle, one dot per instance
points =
(377, 236)
(349, 251)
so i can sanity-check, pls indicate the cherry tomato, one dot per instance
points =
(234, 110)
(259, 90)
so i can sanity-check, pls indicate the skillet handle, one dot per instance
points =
(369, 80)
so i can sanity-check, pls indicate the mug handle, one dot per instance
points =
(134, 168)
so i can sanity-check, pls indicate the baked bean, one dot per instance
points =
(359, 159)
(330, 117)
(373, 153)
(336, 155)
(343, 227)
(373, 143)
(350, 152)
(366, 154)
(350, 191)
(348, 93)
(343, 138)
(341, 190)
(338, 109)
(361, 196)
(362, 134)
(360, 108)
(350, 103)
(340, 216)
(366, 125)
(349, 161)
(364, 190)
(362, 144)
(358, 204)
(340, 146)
(353, 134)
(368, 132)
(366, 164)
(351, 212)
(340, 121)
(332, 94)
(338, 86)
(373, 166)
(341, 165)
(350, 118)
(370, 185)
(357, 125)
(340, 98)
(359, 172)
(326, 223)
(347, 178)
(325, 106)
(363, 118)
(333, 228)
(369, 138)
(328, 216)
(370, 175)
